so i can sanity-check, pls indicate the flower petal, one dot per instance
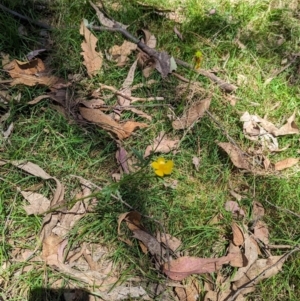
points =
(167, 169)
(155, 165)
(159, 172)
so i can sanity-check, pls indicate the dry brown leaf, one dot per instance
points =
(190, 292)
(185, 266)
(93, 103)
(261, 232)
(29, 73)
(38, 99)
(38, 203)
(238, 258)
(289, 128)
(236, 155)
(251, 253)
(133, 221)
(161, 144)
(286, 163)
(120, 53)
(258, 210)
(169, 241)
(92, 58)
(271, 266)
(151, 243)
(122, 131)
(238, 235)
(50, 249)
(192, 114)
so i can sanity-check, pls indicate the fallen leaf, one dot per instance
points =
(38, 203)
(234, 208)
(120, 54)
(236, 155)
(286, 163)
(92, 58)
(38, 99)
(258, 210)
(133, 221)
(185, 266)
(261, 232)
(169, 241)
(8, 132)
(289, 128)
(251, 254)
(50, 249)
(163, 63)
(238, 235)
(151, 243)
(161, 144)
(190, 292)
(122, 157)
(192, 114)
(238, 258)
(272, 266)
(29, 73)
(122, 130)
(196, 162)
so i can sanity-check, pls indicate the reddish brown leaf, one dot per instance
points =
(185, 266)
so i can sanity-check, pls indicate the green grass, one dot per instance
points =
(268, 29)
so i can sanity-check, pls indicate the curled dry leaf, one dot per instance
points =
(161, 144)
(192, 114)
(236, 156)
(238, 258)
(190, 292)
(122, 130)
(286, 163)
(251, 253)
(122, 158)
(29, 73)
(238, 235)
(92, 58)
(289, 128)
(185, 266)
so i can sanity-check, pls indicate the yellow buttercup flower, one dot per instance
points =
(162, 167)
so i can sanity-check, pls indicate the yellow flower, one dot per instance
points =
(198, 57)
(162, 167)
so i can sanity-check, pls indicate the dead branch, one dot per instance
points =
(14, 13)
(158, 55)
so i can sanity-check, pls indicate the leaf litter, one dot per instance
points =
(243, 249)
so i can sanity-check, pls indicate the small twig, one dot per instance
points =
(242, 287)
(14, 13)
(278, 247)
(283, 209)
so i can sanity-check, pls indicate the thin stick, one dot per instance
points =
(14, 13)
(283, 209)
(242, 287)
